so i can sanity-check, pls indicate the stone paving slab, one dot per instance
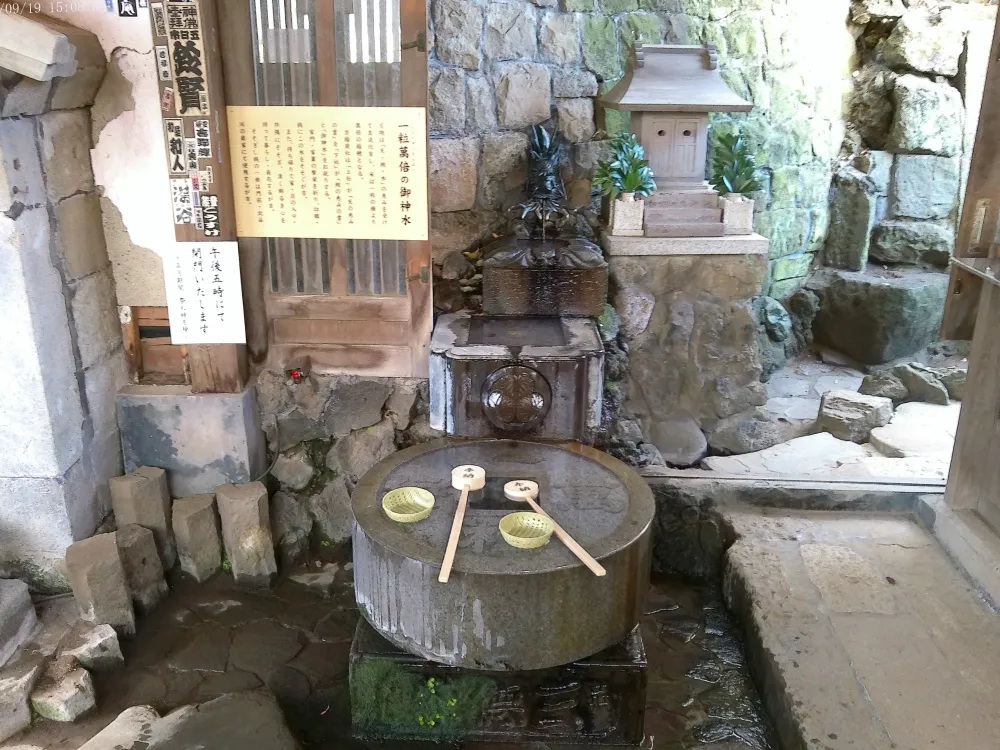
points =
(863, 633)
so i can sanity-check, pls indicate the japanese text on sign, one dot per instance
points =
(204, 298)
(187, 58)
(330, 172)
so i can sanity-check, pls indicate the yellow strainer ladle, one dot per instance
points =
(408, 504)
(526, 530)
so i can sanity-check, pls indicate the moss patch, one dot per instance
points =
(389, 700)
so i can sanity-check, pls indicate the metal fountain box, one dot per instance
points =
(506, 376)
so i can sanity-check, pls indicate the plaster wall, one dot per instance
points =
(129, 167)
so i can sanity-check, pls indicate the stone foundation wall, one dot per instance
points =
(61, 339)
(326, 432)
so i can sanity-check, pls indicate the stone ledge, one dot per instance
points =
(44, 48)
(747, 244)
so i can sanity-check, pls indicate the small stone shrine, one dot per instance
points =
(670, 89)
(519, 645)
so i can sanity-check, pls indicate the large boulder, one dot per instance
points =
(925, 41)
(913, 242)
(928, 117)
(876, 317)
(852, 215)
(924, 187)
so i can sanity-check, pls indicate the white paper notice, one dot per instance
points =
(204, 296)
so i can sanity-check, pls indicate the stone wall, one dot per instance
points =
(326, 432)
(61, 340)
(898, 187)
(501, 66)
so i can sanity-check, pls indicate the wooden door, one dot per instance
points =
(346, 306)
(676, 146)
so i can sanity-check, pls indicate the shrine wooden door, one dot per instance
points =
(345, 306)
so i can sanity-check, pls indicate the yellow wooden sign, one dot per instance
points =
(330, 172)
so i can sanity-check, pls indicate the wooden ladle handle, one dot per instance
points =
(595, 567)
(456, 532)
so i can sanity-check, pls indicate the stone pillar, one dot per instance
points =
(62, 353)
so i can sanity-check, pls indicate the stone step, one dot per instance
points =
(685, 199)
(681, 215)
(17, 617)
(861, 631)
(686, 229)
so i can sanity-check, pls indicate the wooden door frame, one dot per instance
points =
(407, 358)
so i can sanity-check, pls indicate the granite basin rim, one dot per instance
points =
(366, 505)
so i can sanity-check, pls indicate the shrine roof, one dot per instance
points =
(674, 78)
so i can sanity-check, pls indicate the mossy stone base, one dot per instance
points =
(398, 696)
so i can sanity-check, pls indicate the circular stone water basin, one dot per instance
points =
(504, 608)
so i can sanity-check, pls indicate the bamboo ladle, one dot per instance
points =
(525, 491)
(465, 478)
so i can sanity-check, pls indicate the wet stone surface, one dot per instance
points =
(211, 639)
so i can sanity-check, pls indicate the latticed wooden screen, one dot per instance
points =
(357, 306)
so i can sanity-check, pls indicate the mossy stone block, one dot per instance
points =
(600, 47)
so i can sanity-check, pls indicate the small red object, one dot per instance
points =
(296, 375)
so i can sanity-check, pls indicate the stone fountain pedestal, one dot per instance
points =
(504, 609)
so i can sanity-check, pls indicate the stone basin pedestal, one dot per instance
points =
(504, 609)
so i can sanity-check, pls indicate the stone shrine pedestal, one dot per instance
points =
(685, 307)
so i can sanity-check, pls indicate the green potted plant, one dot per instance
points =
(736, 177)
(622, 178)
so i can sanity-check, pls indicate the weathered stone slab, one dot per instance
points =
(454, 173)
(458, 27)
(362, 449)
(918, 429)
(816, 455)
(747, 432)
(16, 684)
(446, 99)
(331, 510)
(246, 532)
(523, 94)
(98, 579)
(291, 526)
(65, 692)
(143, 570)
(17, 617)
(196, 527)
(913, 242)
(877, 317)
(510, 31)
(133, 726)
(96, 648)
(928, 117)
(293, 468)
(928, 41)
(884, 384)
(238, 720)
(922, 383)
(871, 104)
(141, 497)
(869, 592)
(201, 439)
(924, 187)
(851, 220)
(575, 118)
(848, 415)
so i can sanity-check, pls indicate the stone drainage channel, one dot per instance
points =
(215, 638)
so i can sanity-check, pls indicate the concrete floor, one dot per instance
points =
(212, 639)
(863, 633)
